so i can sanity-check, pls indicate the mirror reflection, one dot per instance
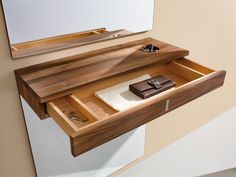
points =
(40, 26)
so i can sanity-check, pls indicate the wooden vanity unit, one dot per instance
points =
(54, 89)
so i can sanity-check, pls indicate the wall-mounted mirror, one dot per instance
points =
(41, 26)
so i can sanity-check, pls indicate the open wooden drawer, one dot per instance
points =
(100, 122)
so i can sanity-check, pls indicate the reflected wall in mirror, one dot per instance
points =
(41, 26)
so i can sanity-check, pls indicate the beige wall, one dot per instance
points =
(206, 27)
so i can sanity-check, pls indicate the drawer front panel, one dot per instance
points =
(197, 89)
(120, 124)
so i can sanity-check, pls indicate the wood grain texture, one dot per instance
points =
(64, 42)
(57, 39)
(182, 70)
(69, 84)
(97, 134)
(66, 108)
(195, 66)
(81, 107)
(61, 119)
(197, 88)
(55, 79)
(31, 99)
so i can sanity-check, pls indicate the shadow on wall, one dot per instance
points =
(226, 173)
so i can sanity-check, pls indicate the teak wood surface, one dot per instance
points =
(59, 87)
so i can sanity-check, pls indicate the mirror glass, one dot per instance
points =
(40, 26)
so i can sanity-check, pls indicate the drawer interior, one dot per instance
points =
(90, 109)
